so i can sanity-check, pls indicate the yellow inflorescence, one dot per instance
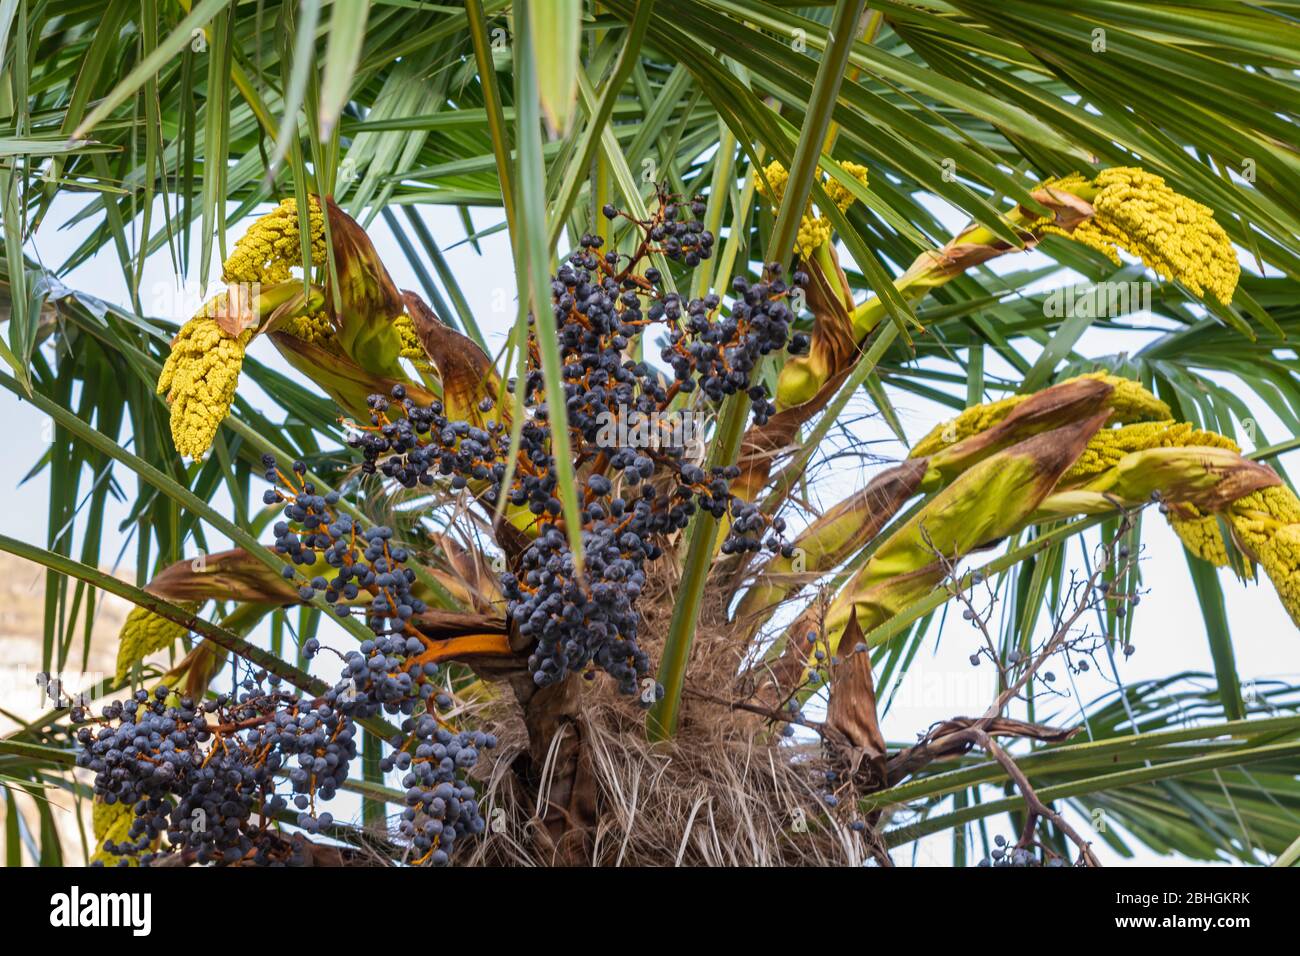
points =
(1265, 523)
(972, 421)
(840, 194)
(144, 632)
(814, 230)
(111, 822)
(412, 347)
(1128, 400)
(200, 374)
(199, 379)
(1172, 234)
(1268, 524)
(270, 249)
(312, 327)
(1108, 446)
(1200, 535)
(1198, 530)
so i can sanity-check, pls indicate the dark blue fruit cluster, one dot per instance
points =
(205, 775)
(630, 433)
(391, 674)
(209, 776)
(359, 560)
(718, 354)
(1006, 854)
(441, 808)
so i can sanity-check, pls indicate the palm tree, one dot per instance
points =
(809, 143)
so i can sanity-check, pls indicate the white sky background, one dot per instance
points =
(1169, 634)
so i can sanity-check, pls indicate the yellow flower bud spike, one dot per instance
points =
(270, 249)
(199, 380)
(1174, 236)
(990, 500)
(1128, 400)
(1266, 524)
(143, 633)
(814, 229)
(201, 373)
(1122, 208)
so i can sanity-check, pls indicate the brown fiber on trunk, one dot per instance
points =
(559, 770)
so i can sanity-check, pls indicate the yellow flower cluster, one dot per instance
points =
(270, 249)
(1199, 533)
(1108, 446)
(1172, 234)
(199, 379)
(1129, 402)
(202, 371)
(412, 347)
(312, 327)
(838, 193)
(142, 633)
(814, 230)
(972, 421)
(111, 822)
(1267, 522)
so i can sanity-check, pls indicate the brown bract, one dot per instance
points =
(851, 732)
(364, 282)
(233, 574)
(1043, 411)
(467, 373)
(234, 311)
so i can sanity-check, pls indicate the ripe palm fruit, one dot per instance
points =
(988, 501)
(240, 576)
